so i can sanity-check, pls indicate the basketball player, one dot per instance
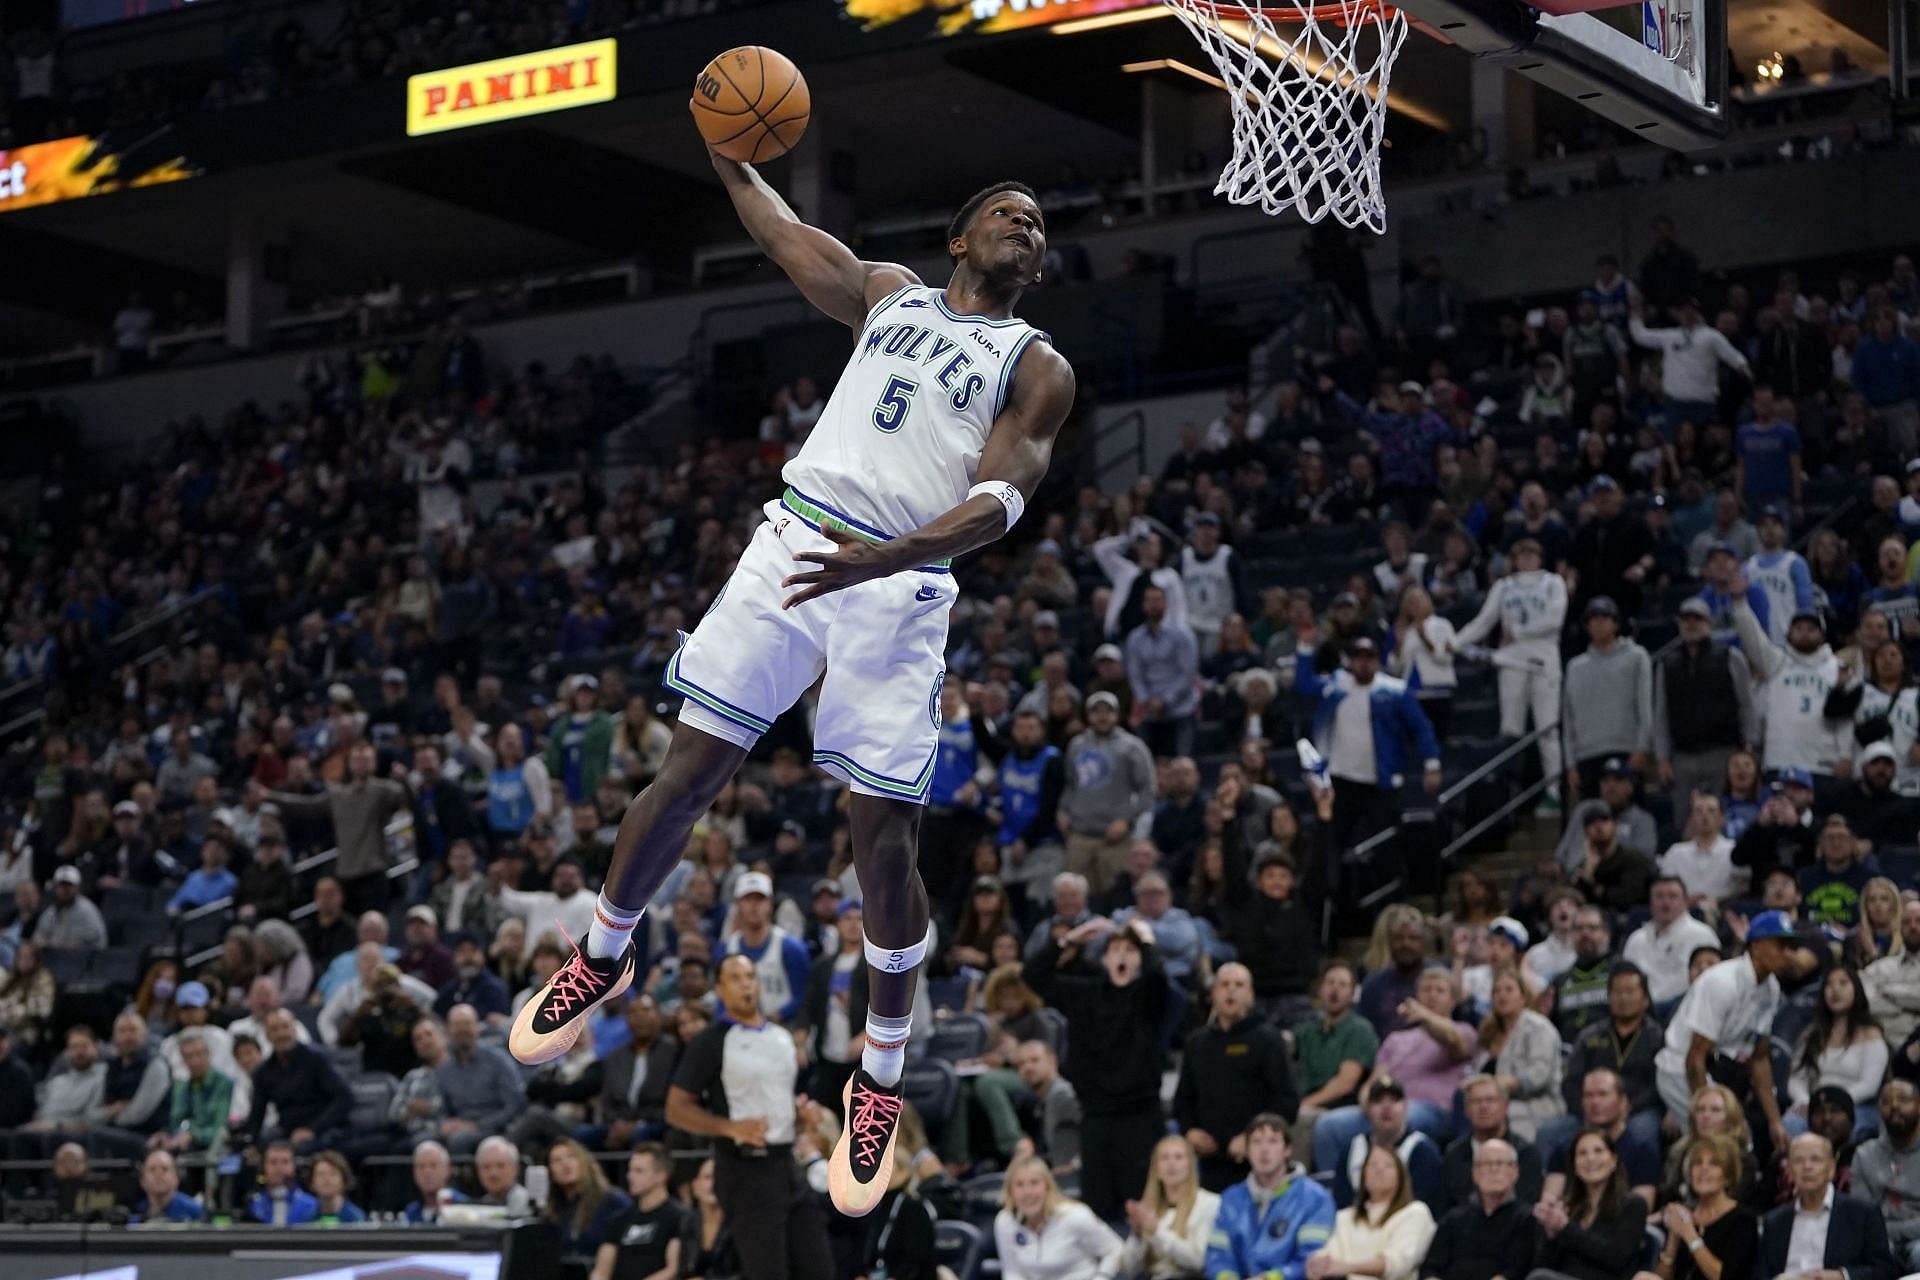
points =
(939, 428)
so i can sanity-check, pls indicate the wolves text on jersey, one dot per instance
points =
(918, 345)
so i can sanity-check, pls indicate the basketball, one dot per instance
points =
(751, 104)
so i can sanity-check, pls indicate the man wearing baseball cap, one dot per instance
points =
(580, 743)
(778, 957)
(1215, 579)
(1371, 730)
(1877, 813)
(1779, 572)
(1723, 586)
(1795, 681)
(1607, 697)
(71, 922)
(1726, 1020)
(1702, 707)
(1109, 783)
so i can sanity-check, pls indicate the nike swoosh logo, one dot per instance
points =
(927, 593)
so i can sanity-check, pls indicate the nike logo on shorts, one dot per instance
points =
(928, 592)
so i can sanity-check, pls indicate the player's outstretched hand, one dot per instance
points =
(855, 561)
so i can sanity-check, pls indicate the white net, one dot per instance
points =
(1308, 90)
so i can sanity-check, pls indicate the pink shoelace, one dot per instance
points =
(872, 1121)
(572, 983)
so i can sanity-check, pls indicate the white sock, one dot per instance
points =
(885, 1056)
(612, 929)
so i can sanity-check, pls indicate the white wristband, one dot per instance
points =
(1008, 496)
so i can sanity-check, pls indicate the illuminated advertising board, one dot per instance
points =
(72, 168)
(525, 84)
(957, 17)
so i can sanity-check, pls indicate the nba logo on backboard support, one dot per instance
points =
(1653, 25)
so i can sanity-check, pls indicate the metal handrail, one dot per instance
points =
(398, 871)
(1493, 762)
(1519, 801)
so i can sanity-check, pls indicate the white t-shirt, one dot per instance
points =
(1706, 872)
(1663, 955)
(1729, 1006)
(1549, 958)
(1351, 756)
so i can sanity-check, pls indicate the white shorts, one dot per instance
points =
(881, 645)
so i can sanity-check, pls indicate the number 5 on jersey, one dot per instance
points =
(891, 411)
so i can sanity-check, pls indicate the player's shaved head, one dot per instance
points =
(971, 209)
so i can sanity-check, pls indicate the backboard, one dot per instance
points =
(1657, 67)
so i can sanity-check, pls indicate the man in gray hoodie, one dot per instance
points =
(1607, 707)
(1886, 1170)
(1109, 784)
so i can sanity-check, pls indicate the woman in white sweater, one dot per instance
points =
(1423, 648)
(1041, 1235)
(1844, 1048)
(1521, 1049)
(1386, 1234)
(1172, 1220)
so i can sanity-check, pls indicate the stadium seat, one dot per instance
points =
(309, 1016)
(126, 900)
(66, 966)
(117, 966)
(983, 1196)
(960, 1037)
(947, 993)
(1058, 1022)
(372, 1094)
(1901, 865)
(959, 1246)
(933, 1087)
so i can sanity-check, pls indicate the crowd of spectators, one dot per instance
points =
(458, 691)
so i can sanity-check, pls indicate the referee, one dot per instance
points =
(735, 1084)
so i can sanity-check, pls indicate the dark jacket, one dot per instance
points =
(1227, 1077)
(1607, 1250)
(305, 1088)
(268, 890)
(1113, 1051)
(1764, 846)
(1471, 1244)
(662, 1057)
(813, 1005)
(1856, 1240)
(486, 993)
(1597, 1046)
(1703, 711)
(1456, 1173)
(1277, 941)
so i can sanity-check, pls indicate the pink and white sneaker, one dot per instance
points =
(862, 1164)
(549, 1023)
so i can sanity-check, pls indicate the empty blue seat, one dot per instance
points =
(960, 1037)
(959, 1246)
(933, 1087)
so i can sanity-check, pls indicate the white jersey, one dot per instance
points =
(1792, 694)
(1209, 585)
(899, 442)
(1784, 576)
(1530, 607)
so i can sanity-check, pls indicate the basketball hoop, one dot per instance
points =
(1308, 89)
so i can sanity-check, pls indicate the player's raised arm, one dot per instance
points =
(827, 272)
(1016, 456)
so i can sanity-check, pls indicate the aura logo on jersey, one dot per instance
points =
(525, 84)
(71, 168)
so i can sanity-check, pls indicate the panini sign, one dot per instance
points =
(523, 85)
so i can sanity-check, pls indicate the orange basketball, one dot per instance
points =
(751, 104)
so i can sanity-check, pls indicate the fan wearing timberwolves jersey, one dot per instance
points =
(938, 430)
